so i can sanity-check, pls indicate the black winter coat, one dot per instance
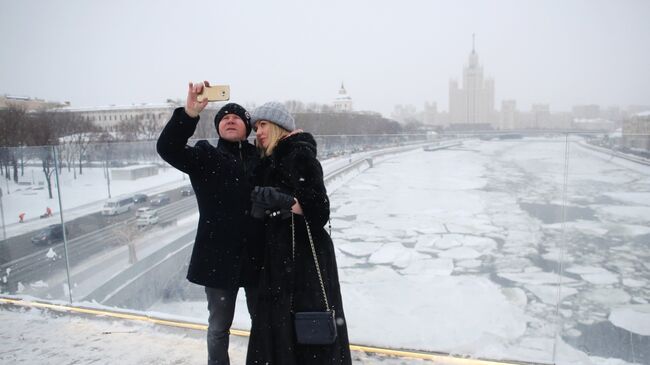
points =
(224, 254)
(294, 169)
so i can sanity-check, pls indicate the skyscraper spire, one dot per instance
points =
(473, 57)
(473, 49)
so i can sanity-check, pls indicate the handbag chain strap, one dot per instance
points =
(313, 252)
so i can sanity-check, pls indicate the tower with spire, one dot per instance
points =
(343, 101)
(473, 103)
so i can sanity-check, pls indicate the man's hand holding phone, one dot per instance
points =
(199, 95)
(193, 107)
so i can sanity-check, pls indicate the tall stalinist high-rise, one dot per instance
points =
(474, 102)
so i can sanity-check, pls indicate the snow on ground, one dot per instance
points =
(51, 338)
(44, 338)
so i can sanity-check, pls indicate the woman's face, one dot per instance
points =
(262, 133)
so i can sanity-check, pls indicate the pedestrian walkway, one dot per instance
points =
(48, 333)
(42, 336)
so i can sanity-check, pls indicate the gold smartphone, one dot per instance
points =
(215, 93)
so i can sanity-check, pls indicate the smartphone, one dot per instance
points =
(215, 93)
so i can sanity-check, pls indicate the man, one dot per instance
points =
(224, 256)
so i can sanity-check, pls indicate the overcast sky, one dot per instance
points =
(92, 53)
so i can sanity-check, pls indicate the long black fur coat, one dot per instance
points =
(294, 169)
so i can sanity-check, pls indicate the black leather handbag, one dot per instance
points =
(313, 328)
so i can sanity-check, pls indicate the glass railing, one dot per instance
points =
(525, 247)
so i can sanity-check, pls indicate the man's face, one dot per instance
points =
(232, 128)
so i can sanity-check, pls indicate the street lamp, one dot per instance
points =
(106, 171)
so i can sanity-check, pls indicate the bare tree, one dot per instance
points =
(47, 161)
(149, 129)
(4, 157)
(68, 155)
(20, 153)
(79, 133)
(43, 135)
(13, 133)
(104, 152)
(313, 108)
(128, 130)
(126, 234)
(66, 125)
(13, 126)
(295, 106)
(340, 123)
(82, 142)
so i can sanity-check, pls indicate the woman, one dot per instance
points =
(290, 188)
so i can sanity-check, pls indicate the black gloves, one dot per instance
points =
(268, 200)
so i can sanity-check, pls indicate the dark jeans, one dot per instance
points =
(221, 304)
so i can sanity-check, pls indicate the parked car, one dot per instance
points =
(187, 190)
(144, 211)
(160, 199)
(140, 198)
(117, 206)
(52, 234)
(147, 219)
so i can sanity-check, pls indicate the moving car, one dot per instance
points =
(140, 198)
(52, 234)
(147, 219)
(160, 199)
(144, 211)
(187, 190)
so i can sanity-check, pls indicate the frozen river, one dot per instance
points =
(459, 251)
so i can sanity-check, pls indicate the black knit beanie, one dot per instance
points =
(232, 108)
